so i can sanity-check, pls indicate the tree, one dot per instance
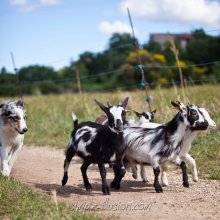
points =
(203, 48)
(3, 70)
(36, 72)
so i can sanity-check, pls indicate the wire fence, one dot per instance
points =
(97, 75)
(156, 84)
(135, 85)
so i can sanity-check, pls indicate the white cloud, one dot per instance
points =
(115, 27)
(203, 12)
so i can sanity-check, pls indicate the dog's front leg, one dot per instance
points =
(4, 160)
(13, 156)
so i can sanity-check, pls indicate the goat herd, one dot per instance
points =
(114, 140)
(124, 144)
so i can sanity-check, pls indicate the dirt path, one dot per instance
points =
(42, 168)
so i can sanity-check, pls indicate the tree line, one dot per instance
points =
(119, 66)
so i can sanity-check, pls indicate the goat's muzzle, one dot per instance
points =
(200, 126)
(119, 126)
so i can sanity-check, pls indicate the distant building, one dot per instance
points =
(163, 39)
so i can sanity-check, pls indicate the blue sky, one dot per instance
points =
(52, 32)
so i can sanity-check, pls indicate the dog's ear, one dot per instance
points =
(6, 112)
(20, 103)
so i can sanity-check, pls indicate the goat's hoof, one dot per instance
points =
(158, 189)
(165, 183)
(89, 188)
(195, 179)
(145, 181)
(115, 186)
(134, 176)
(106, 191)
(186, 184)
(64, 180)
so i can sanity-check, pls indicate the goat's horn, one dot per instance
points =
(137, 113)
(109, 104)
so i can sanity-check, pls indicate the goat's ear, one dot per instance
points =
(20, 103)
(178, 105)
(137, 113)
(124, 103)
(154, 111)
(104, 108)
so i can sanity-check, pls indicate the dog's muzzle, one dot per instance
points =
(24, 130)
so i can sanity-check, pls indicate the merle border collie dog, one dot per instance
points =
(99, 144)
(12, 129)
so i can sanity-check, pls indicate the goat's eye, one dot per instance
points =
(193, 113)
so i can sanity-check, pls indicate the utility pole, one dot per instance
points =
(140, 66)
(75, 69)
(18, 79)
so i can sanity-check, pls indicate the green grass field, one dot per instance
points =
(18, 201)
(50, 124)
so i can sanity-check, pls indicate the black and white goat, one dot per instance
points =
(143, 121)
(143, 118)
(157, 146)
(185, 147)
(96, 143)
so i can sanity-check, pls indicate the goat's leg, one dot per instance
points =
(192, 163)
(164, 179)
(102, 170)
(83, 168)
(134, 171)
(185, 176)
(4, 161)
(119, 171)
(143, 174)
(182, 164)
(70, 152)
(157, 185)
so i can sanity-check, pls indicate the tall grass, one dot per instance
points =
(49, 117)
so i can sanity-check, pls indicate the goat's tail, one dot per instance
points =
(75, 120)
